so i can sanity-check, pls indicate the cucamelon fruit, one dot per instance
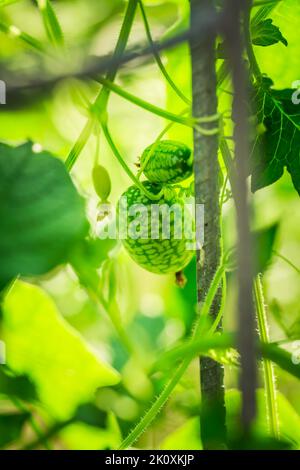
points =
(167, 162)
(163, 254)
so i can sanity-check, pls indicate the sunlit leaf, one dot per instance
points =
(42, 345)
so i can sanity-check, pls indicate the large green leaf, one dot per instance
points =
(277, 146)
(41, 344)
(265, 33)
(42, 216)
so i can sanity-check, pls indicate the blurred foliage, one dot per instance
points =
(83, 381)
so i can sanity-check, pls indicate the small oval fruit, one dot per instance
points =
(155, 243)
(102, 182)
(167, 161)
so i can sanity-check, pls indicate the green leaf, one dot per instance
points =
(16, 386)
(42, 215)
(11, 425)
(51, 23)
(263, 241)
(277, 146)
(265, 33)
(41, 344)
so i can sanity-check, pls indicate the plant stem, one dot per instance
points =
(289, 262)
(269, 374)
(24, 37)
(158, 59)
(206, 168)
(190, 122)
(249, 47)
(161, 399)
(233, 14)
(153, 197)
(102, 98)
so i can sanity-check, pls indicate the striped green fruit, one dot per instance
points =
(167, 161)
(156, 243)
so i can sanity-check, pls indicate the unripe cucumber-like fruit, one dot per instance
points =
(102, 182)
(155, 249)
(169, 162)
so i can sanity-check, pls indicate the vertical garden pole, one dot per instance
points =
(206, 169)
(234, 12)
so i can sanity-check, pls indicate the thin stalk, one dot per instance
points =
(249, 47)
(289, 262)
(157, 57)
(27, 39)
(51, 24)
(190, 122)
(103, 96)
(80, 143)
(269, 373)
(96, 295)
(153, 197)
(162, 398)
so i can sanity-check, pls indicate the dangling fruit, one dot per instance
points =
(102, 182)
(157, 231)
(167, 161)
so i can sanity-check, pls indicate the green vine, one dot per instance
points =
(269, 375)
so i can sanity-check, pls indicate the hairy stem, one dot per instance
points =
(234, 42)
(206, 169)
(269, 374)
(162, 398)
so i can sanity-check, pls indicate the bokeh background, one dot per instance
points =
(155, 312)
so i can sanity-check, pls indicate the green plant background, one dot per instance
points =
(71, 378)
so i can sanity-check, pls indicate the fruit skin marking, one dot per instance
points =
(167, 161)
(161, 255)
